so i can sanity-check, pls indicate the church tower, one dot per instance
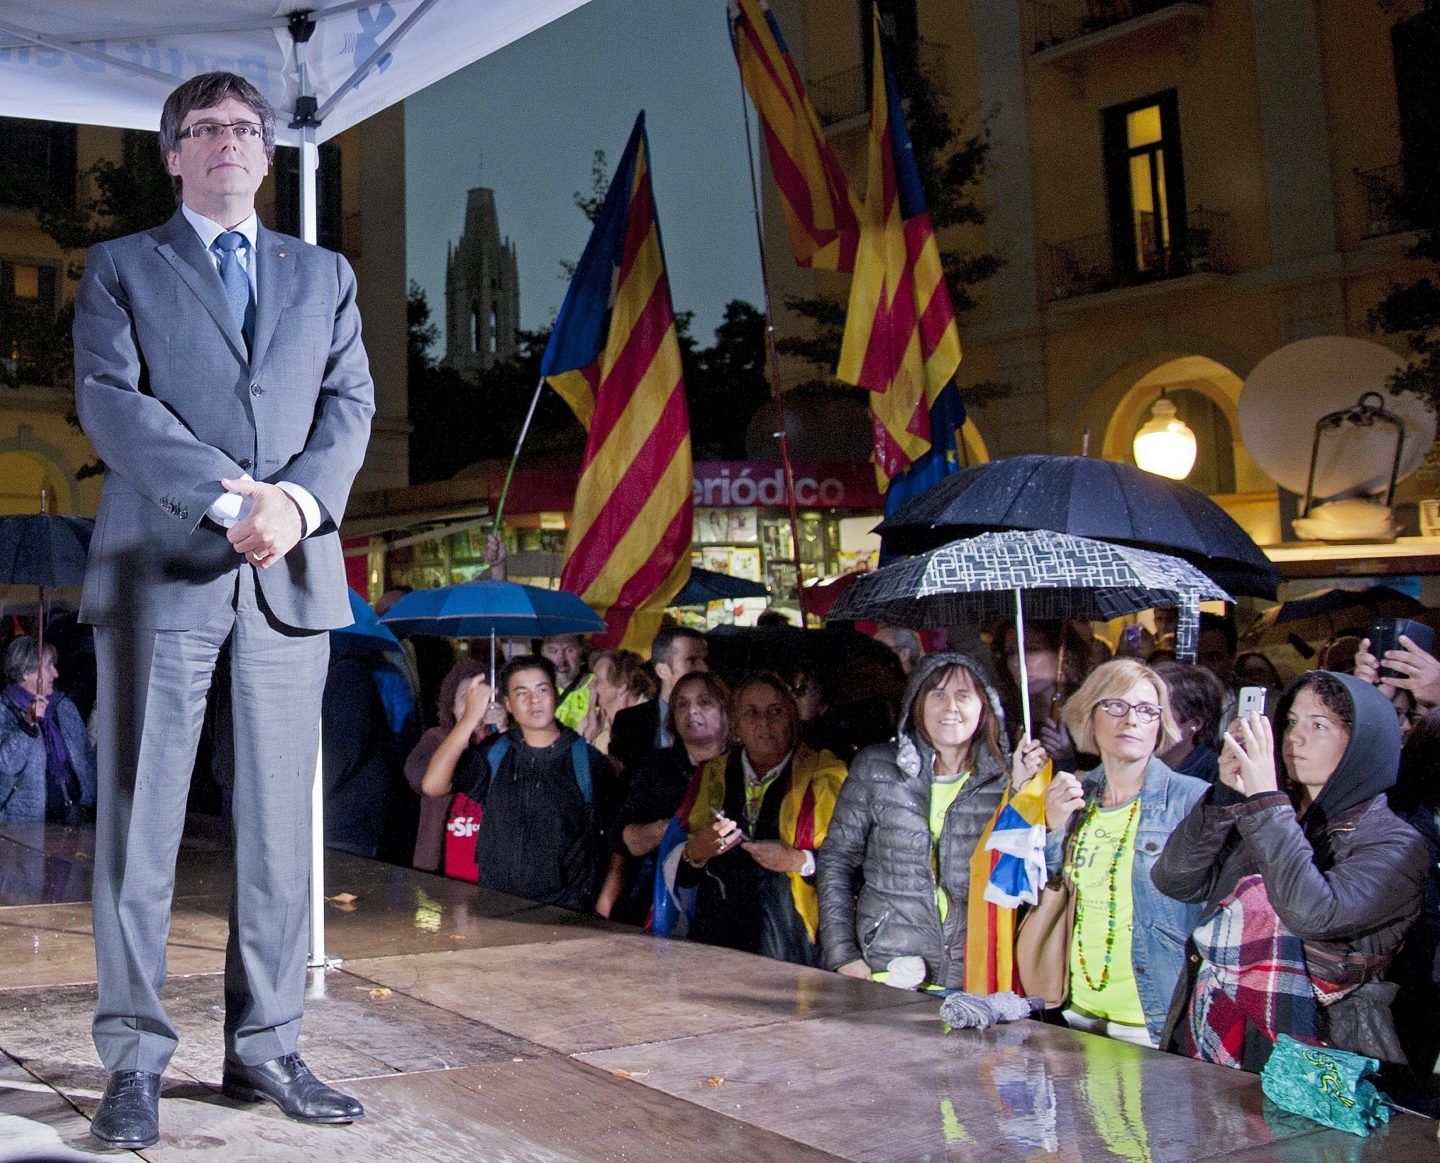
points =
(482, 292)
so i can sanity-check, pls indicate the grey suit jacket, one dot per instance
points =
(172, 402)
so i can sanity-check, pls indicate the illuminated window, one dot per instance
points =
(26, 281)
(1145, 183)
(28, 302)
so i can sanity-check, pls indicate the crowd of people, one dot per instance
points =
(1187, 832)
(1234, 876)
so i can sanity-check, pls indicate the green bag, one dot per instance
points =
(1327, 1085)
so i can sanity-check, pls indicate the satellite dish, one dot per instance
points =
(1290, 389)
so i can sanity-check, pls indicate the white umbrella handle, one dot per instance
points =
(1024, 670)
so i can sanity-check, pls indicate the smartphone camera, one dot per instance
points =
(1385, 635)
(1251, 698)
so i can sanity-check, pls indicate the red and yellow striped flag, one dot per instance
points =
(900, 339)
(614, 357)
(822, 216)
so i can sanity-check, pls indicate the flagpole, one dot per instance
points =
(519, 444)
(773, 360)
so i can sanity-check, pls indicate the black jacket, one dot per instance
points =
(538, 837)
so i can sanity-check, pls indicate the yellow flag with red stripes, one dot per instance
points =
(615, 358)
(900, 338)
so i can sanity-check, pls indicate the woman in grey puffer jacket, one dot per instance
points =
(948, 764)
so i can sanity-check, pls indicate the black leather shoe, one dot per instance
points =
(129, 1111)
(288, 1083)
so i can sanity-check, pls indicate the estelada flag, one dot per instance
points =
(614, 357)
(822, 216)
(900, 340)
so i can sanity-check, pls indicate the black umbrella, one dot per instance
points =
(43, 549)
(1087, 497)
(706, 585)
(1322, 614)
(854, 666)
(46, 550)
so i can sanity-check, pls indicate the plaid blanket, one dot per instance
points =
(1252, 975)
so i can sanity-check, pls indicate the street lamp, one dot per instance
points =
(1165, 444)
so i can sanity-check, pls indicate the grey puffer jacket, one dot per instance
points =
(881, 828)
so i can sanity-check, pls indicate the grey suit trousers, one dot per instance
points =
(152, 691)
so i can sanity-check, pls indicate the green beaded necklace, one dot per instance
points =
(1113, 906)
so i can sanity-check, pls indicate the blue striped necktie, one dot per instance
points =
(237, 283)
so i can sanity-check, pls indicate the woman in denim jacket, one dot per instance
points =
(1128, 945)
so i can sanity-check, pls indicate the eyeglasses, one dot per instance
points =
(805, 690)
(1119, 708)
(243, 131)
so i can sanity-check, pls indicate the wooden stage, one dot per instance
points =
(480, 1028)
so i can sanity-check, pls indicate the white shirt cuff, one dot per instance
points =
(228, 508)
(309, 506)
(809, 868)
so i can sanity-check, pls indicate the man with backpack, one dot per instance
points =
(547, 797)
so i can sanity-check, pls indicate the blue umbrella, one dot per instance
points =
(705, 585)
(366, 634)
(498, 609)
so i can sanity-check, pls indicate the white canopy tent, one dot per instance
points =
(325, 66)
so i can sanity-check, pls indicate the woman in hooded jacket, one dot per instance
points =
(908, 819)
(1325, 880)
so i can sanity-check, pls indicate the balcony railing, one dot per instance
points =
(1382, 197)
(846, 94)
(1054, 22)
(1088, 266)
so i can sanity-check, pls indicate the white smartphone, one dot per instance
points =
(1251, 698)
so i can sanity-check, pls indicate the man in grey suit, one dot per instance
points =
(220, 374)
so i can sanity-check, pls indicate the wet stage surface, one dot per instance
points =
(479, 1027)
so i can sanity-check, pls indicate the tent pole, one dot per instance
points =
(301, 30)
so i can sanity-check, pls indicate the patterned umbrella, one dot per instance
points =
(1054, 575)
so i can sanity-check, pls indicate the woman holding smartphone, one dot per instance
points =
(1105, 828)
(1324, 881)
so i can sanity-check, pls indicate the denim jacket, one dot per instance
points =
(1162, 925)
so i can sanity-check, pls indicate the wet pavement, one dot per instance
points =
(475, 1026)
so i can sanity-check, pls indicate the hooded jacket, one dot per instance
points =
(1347, 878)
(881, 829)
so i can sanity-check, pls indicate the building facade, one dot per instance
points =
(1177, 189)
(482, 292)
(52, 163)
